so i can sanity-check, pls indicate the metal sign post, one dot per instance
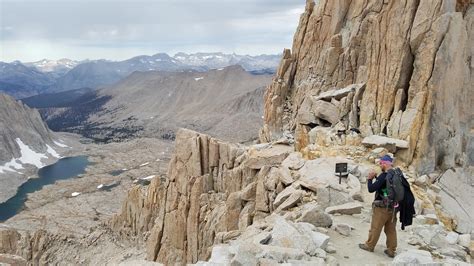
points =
(341, 171)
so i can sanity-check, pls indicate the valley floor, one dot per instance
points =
(114, 166)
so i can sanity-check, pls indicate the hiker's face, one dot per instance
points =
(384, 165)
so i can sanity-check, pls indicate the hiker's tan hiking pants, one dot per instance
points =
(382, 218)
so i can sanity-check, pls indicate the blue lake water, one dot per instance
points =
(63, 169)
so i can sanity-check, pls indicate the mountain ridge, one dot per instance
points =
(47, 76)
(156, 103)
(26, 144)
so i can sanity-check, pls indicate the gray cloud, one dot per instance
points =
(31, 30)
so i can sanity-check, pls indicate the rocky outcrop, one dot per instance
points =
(26, 144)
(457, 198)
(398, 68)
(286, 242)
(33, 248)
(19, 121)
(210, 191)
(214, 190)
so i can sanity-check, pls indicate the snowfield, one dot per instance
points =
(52, 152)
(29, 156)
(11, 166)
(60, 144)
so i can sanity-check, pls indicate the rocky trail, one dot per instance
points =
(292, 211)
(347, 246)
(282, 237)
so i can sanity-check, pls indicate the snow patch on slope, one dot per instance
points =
(60, 144)
(11, 166)
(29, 156)
(52, 152)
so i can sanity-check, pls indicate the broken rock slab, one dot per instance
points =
(326, 111)
(457, 198)
(284, 175)
(347, 208)
(329, 196)
(301, 236)
(465, 240)
(322, 170)
(413, 257)
(282, 196)
(291, 201)
(390, 144)
(279, 253)
(338, 94)
(316, 217)
(294, 161)
(14, 260)
(343, 229)
(309, 184)
(378, 152)
(270, 156)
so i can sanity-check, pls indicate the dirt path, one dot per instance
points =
(348, 252)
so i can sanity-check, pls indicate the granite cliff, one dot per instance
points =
(399, 68)
(26, 144)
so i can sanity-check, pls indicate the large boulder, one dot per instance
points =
(282, 196)
(329, 196)
(316, 217)
(457, 198)
(338, 94)
(343, 229)
(347, 208)
(14, 260)
(284, 175)
(391, 144)
(326, 111)
(294, 161)
(413, 257)
(273, 240)
(270, 156)
(291, 201)
(220, 254)
(322, 171)
(302, 236)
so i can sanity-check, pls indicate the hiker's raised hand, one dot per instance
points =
(372, 175)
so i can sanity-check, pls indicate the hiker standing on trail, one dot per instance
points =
(390, 189)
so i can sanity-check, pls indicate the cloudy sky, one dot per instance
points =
(31, 30)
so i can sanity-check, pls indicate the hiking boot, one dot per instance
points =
(365, 247)
(389, 253)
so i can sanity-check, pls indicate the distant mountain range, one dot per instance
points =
(56, 67)
(224, 102)
(47, 76)
(19, 80)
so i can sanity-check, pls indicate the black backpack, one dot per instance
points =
(394, 193)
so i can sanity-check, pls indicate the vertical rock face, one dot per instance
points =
(32, 248)
(211, 190)
(19, 121)
(25, 143)
(400, 68)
